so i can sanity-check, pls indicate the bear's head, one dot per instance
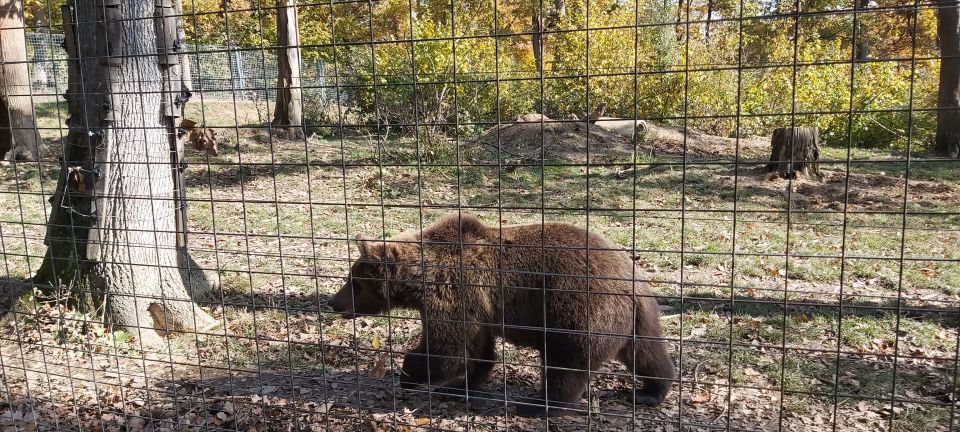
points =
(376, 280)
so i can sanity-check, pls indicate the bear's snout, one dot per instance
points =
(342, 301)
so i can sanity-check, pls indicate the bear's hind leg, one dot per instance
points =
(565, 379)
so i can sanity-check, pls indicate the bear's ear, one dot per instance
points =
(378, 250)
(383, 250)
(471, 227)
(363, 245)
(392, 254)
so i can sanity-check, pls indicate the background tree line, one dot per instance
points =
(698, 62)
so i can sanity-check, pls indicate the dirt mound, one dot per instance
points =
(610, 139)
(534, 137)
(670, 140)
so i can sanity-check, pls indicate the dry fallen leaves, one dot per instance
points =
(374, 426)
(776, 272)
(200, 137)
(379, 369)
(700, 397)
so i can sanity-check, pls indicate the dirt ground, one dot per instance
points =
(834, 335)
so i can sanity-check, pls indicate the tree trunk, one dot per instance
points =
(681, 27)
(288, 113)
(863, 45)
(679, 12)
(537, 42)
(539, 24)
(709, 18)
(118, 228)
(948, 96)
(795, 151)
(15, 96)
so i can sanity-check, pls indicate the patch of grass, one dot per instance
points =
(874, 241)
(215, 350)
(50, 108)
(840, 153)
(510, 355)
(766, 324)
(236, 283)
(918, 418)
(802, 370)
(242, 322)
(940, 276)
(920, 169)
(293, 357)
(814, 269)
(700, 260)
(436, 149)
(795, 373)
(644, 158)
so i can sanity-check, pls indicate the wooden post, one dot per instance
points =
(795, 150)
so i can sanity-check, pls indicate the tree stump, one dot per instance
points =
(795, 151)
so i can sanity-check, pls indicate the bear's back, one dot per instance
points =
(527, 253)
(455, 229)
(566, 250)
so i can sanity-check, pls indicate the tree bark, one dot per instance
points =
(539, 24)
(15, 96)
(681, 28)
(948, 95)
(709, 18)
(537, 42)
(795, 151)
(113, 224)
(863, 45)
(288, 112)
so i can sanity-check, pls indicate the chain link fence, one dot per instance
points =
(218, 72)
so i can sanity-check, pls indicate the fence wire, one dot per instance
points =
(507, 215)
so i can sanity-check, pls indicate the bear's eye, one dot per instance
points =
(361, 282)
(370, 269)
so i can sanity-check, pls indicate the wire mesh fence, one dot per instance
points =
(222, 72)
(506, 215)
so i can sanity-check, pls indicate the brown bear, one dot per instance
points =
(554, 287)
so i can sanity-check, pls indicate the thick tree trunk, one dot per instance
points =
(119, 226)
(15, 95)
(795, 151)
(288, 113)
(948, 96)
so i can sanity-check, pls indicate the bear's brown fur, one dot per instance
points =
(535, 285)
